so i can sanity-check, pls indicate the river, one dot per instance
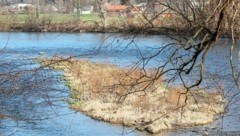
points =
(44, 111)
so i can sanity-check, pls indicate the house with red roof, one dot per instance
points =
(110, 8)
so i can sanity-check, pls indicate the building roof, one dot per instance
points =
(114, 8)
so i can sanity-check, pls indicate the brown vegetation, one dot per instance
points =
(2, 116)
(106, 92)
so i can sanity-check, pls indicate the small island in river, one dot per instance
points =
(116, 95)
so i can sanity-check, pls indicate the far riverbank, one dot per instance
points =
(95, 27)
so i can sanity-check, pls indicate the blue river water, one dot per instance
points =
(44, 110)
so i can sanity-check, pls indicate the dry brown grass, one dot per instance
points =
(2, 116)
(115, 95)
(102, 80)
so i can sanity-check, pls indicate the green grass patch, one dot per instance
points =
(53, 18)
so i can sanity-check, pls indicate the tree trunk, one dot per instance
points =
(78, 9)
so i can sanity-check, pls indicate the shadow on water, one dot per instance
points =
(43, 110)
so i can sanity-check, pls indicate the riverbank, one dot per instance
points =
(90, 23)
(108, 93)
(95, 27)
(82, 27)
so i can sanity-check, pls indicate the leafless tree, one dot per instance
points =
(26, 87)
(192, 22)
(194, 29)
